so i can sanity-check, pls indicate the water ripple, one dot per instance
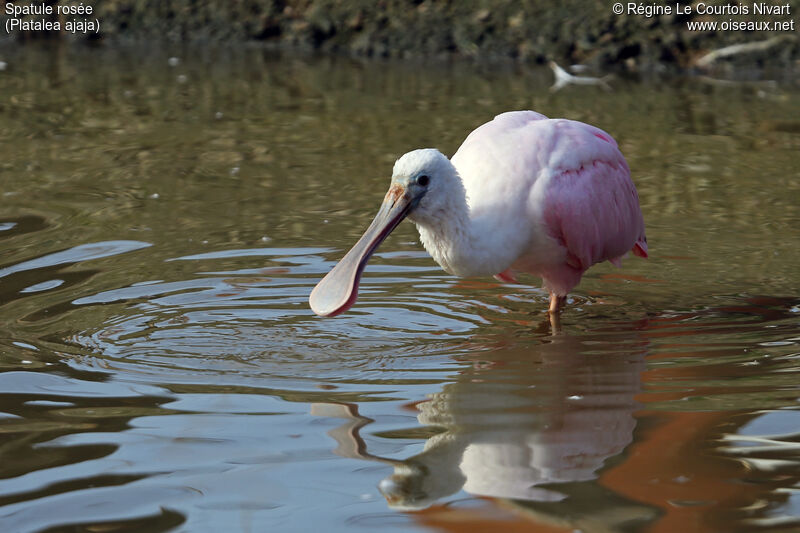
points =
(253, 323)
(83, 252)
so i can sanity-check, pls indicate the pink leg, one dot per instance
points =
(556, 303)
(506, 276)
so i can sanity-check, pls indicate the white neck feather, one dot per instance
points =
(462, 241)
(449, 233)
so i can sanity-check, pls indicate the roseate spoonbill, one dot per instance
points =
(523, 193)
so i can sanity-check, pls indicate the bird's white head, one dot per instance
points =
(431, 181)
(425, 185)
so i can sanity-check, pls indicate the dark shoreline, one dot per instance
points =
(571, 31)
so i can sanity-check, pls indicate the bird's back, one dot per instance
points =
(558, 192)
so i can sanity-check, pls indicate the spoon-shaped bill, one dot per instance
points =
(338, 290)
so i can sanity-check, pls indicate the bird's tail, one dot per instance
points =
(640, 248)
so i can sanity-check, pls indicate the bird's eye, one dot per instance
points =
(423, 180)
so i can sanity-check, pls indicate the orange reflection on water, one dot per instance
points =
(675, 475)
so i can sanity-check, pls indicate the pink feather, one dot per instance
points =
(570, 174)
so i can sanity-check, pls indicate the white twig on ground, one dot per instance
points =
(564, 78)
(708, 59)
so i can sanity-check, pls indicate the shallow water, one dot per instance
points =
(161, 229)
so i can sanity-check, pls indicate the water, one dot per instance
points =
(163, 224)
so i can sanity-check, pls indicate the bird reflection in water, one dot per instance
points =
(515, 424)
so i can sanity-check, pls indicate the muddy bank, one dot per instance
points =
(571, 31)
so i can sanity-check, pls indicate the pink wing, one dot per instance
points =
(552, 196)
(592, 207)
